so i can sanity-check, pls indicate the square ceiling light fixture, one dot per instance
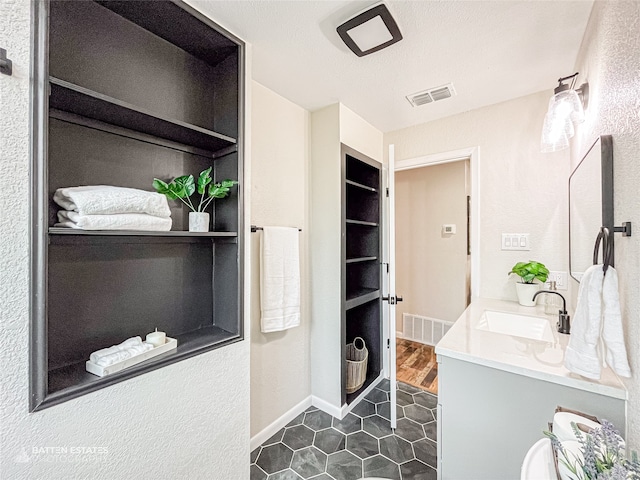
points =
(370, 31)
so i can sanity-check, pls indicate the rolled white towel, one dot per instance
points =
(128, 343)
(121, 355)
(122, 221)
(114, 358)
(110, 200)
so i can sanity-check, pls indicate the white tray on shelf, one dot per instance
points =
(171, 344)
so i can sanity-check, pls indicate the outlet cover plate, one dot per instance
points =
(560, 278)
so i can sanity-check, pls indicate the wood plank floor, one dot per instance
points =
(416, 365)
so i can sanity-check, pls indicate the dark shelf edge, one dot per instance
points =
(361, 222)
(361, 299)
(184, 351)
(371, 376)
(360, 185)
(224, 140)
(138, 233)
(360, 259)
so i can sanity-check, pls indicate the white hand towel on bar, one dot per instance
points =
(612, 333)
(123, 221)
(109, 200)
(279, 279)
(581, 356)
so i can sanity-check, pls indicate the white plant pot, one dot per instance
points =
(198, 222)
(525, 292)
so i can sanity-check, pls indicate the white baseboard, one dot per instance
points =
(266, 433)
(326, 407)
(339, 413)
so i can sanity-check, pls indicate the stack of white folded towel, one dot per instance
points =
(129, 348)
(104, 207)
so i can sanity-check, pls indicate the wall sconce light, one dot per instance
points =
(370, 31)
(566, 108)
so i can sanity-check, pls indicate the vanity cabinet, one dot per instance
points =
(125, 92)
(497, 392)
(488, 418)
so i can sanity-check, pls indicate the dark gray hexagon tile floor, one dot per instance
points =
(316, 446)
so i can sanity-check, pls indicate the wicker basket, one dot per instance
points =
(357, 359)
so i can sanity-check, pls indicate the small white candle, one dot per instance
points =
(156, 338)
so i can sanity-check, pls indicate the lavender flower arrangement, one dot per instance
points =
(603, 455)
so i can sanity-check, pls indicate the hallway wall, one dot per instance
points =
(431, 266)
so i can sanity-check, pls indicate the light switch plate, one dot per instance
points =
(449, 229)
(516, 241)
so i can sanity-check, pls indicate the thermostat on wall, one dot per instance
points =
(449, 229)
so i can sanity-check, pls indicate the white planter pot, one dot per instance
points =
(525, 293)
(198, 222)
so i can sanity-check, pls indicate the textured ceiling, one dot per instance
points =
(492, 51)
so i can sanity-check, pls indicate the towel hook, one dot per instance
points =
(607, 248)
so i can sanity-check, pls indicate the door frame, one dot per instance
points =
(473, 154)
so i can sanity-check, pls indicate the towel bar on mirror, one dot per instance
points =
(255, 229)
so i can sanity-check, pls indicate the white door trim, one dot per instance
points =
(473, 154)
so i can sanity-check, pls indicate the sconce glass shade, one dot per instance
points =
(565, 109)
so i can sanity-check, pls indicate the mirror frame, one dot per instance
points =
(606, 163)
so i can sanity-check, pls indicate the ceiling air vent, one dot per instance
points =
(431, 95)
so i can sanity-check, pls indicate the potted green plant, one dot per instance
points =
(181, 188)
(529, 272)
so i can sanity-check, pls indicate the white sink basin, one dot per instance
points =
(525, 326)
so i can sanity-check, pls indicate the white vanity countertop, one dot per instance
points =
(532, 358)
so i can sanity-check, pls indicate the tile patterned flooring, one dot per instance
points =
(317, 446)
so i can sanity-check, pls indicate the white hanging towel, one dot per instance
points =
(581, 356)
(279, 279)
(612, 333)
(597, 321)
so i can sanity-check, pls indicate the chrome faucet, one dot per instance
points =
(564, 323)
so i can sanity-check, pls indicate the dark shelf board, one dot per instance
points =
(360, 259)
(372, 374)
(91, 105)
(182, 26)
(360, 185)
(73, 381)
(361, 296)
(138, 233)
(360, 222)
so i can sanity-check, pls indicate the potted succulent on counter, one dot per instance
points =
(529, 272)
(183, 187)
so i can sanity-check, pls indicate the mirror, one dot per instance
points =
(590, 204)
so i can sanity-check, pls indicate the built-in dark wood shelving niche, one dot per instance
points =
(124, 92)
(361, 261)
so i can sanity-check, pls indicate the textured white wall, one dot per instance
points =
(280, 363)
(360, 134)
(187, 420)
(431, 268)
(609, 59)
(521, 189)
(325, 254)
